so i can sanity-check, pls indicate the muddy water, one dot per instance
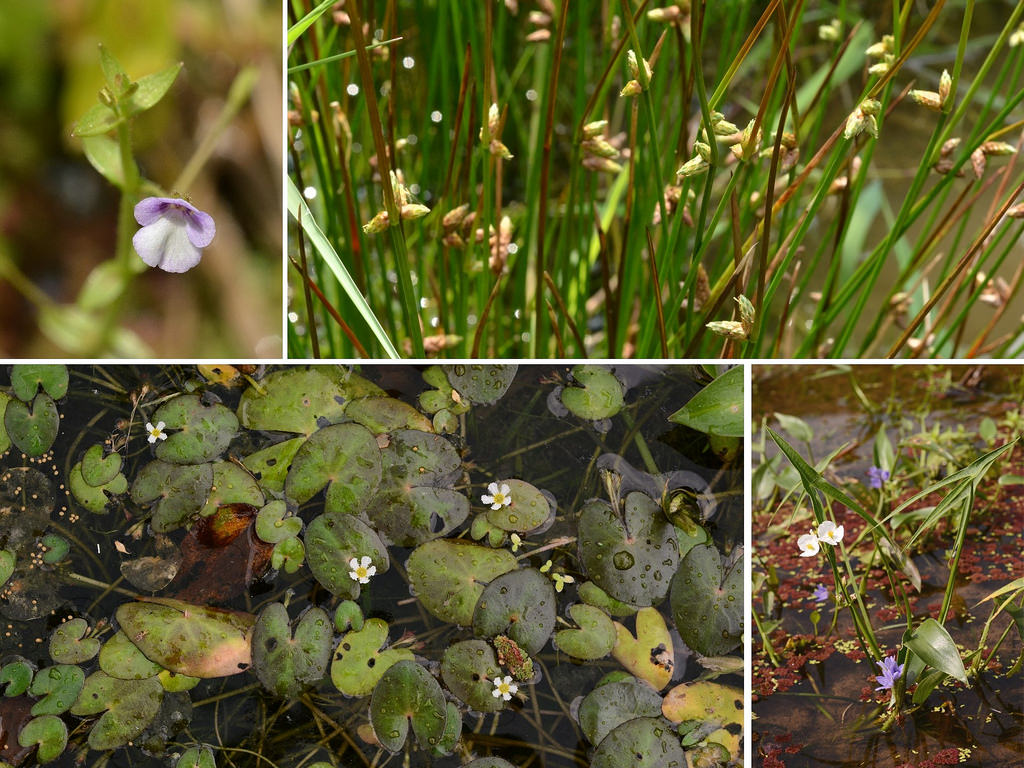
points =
(820, 708)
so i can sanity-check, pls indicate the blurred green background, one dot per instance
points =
(58, 216)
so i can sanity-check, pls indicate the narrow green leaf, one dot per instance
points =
(718, 408)
(117, 79)
(104, 155)
(295, 31)
(97, 120)
(151, 89)
(936, 648)
(797, 427)
(300, 212)
(885, 457)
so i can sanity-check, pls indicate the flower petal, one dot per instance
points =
(493, 488)
(505, 490)
(152, 208)
(353, 563)
(201, 227)
(165, 244)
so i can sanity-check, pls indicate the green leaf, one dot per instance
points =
(332, 540)
(936, 648)
(613, 703)
(198, 432)
(406, 694)
(520, 604)
(49, 732)
(97, 120)
(595, 637)
(644, 742)
(69, 645)
(361, 658)
(480, 382)
(300, 212)
(5, 440)
(128, 706)
(28, 378)
(117, 79)
(151, 89)
(449, 576)
(121, 658)
(885, 456)
(795, 426)
(197, 757)
(295, 31)
(597, 394)
(32, 430)
(285, 663)
(468, 669)
(718, 408)
(59, 686)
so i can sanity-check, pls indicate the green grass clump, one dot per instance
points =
(607, 179)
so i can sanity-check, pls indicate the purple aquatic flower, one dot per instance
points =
(877, 476)
(173, 233)
(891, 672)
(821, 593)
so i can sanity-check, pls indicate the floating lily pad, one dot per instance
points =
(270, 465)
(17, 676)
(28, 378)
(386, 414)
(408, 694)
(175, 683)
(193, 640)
(449, 576)
(482, 527)
(598, 396)
(55, 548)
(199, 432)
(520, 604)
(479, 382)
(645, 742)
(348, 615)
(179, 491)
(59, 686)
(591, 594)
(33, 428)
(412, 517)
(528, 511)
(360, 659)
(707, 605)
(7, 563)
(413, 458)
(288, 555)
(595, 637)
(452, 731)
(97, 469)
(302, 400)
(650, 655)
(610, 705)
(468, 669)
(196, 757)
(273, 523)
(5, 440)
(632, 557)
(92, 497)
(287, 663)
(344, 456)
(121, 658)
(69, 644)
(332, 540)
(704, 701)
(128, 706)
(718, 408)
(231, 485)
(49, 732)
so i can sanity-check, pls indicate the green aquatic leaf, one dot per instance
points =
(231, 485)
(707, 603)
(197, 432)
(69, 644)
(32, 428)
(449, 576)
(361, 658)
(649, 655)
(7, 562)
(452, 731)
(480, 383)
(127, 707)
(408, 694)
(287, 663)
(17, 676)
(644, 742)
(95, 498)
(595, 637)
(97, 469)
(413, 517)
(632, 557)
(332, 540)
(528, 511)
(386, 414)
(176, 492)
(611, 704)
(469, 668)
(121, 658)
(5, 440)
(591, 594)
(343, 456)
(273, 523)
(270, 465)
(58, 686)
(597, 394)
(520, 604)
(197, 757)
(49, 732)
(29, 378)
(288, 555)
(718, 408)
(348, 615)
(933, 644)
(301, 399)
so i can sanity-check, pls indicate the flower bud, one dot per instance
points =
(412, 211)
(703, 150)
(377, 224)
(632, 88)
(998, 148)
(728, 328)
(747, 314)
(590, 130)
(929, 99)
(830, 32)
(454, 217)
(945, 84)
(693, 167)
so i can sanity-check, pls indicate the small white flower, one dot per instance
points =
(362, 570)
(157, 432)
(830, 533)
(504, 688)
(808, 544)
(498, 497)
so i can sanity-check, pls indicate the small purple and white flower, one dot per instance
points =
(877, 477)
(891, 672)
(173, 233)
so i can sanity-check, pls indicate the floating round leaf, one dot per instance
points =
(121, 658)
(707, 606)
(386, 414)
(598, 396)
(359, 661)
(452, 731)
(650, 655)
(591, 594)
(98, 470)
(273, 525)
(179, 491)
(49, 732)
(128, 706)
(196, 757)
(288, 555)
(520, 604)
(302, 399)
(610, 705)
(348, 615)
(231, 485)
(198, 432)
(645, 742)
(705, 701)
(468, 669)
(632, 557)
(332, 540)
(412, 517)
(94, 497)
(414, 458)
(175, 683)
(55, 548)
(69, 645)
(5, 440)
(343, 455)
(595, 637)
(287, 664)
(27, 378)
(270, 465)
(33, 428)
(7, 563)
(406, 694)
(193, 640)
(59, 686)
(480, 383)
(528, 511)
(449, 575)
(17, 676)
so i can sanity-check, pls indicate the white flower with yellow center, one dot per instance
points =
(504, 688)
(830, 533)
(808, 544)
(157, 432)
(499, 496)
(362, 569)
